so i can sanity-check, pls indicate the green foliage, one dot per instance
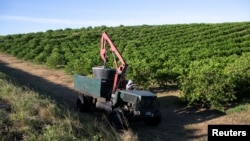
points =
(55, 59)
(215, 83)
(239, 108)
(81, 66)
(206, 84)
(239, 72)
(40, 58)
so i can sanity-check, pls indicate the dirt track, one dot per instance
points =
(178, 123)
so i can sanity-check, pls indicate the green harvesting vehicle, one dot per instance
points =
(106, 89)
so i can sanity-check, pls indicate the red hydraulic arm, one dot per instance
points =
(121, 67)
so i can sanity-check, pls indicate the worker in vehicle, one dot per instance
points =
(130, 85)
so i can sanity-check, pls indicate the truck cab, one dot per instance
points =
(139, 105)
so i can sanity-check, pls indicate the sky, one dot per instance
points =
(26, 16)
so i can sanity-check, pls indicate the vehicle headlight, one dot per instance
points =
(137, 112)
(149, 114)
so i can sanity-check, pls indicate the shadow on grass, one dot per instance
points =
(62, 95)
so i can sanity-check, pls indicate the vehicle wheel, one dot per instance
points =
(87, 104)
(118, 120)
(79, 105)
(153, 121)
(83, 106)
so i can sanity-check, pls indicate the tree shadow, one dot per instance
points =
(63, 97)
(167, 88)
(60, 94)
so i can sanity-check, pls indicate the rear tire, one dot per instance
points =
(79, 106)
(83, 105)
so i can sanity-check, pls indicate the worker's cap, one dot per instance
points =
(130, 81)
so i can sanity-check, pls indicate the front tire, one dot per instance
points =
(153, 121)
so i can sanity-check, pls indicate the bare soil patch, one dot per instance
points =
(178, 123)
